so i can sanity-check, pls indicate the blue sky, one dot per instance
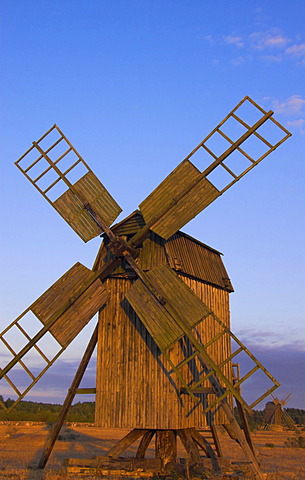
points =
(136, 85)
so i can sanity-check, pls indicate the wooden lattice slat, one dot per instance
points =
(84, 203)
(175, 317)
(66, 323)
(186, 191)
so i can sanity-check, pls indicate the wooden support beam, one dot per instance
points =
(206, 447)
(85, 391)
(144, 443)
(68, 400)
(189, 444)
(166, 446)
(240, 438)
(245, 423)
(230, 432)
(216, 441)
(125, 442)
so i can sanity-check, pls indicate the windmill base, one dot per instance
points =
(133, 468)
(165, 462)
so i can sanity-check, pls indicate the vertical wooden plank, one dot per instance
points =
(166, 446)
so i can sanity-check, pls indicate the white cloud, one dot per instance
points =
(272, 58)
(209, 38)
(238, 60)
(293, 105)
(293, 108)
(272, 45)
(269, 339)
(296, 123)
(233, 40)
(269, 39)
(296, 50)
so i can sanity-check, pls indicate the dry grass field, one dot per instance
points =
(22, 450)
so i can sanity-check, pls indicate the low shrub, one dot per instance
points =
(295, 442)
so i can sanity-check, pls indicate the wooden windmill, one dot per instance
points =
(275, 415)
(164, 341)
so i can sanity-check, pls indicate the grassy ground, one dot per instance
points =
(21, 449)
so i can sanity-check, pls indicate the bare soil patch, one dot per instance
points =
(23, 450)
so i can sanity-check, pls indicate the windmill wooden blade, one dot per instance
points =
(173, 316)
(160, 318)
(61, 175)
(187, 190)
(60, 313)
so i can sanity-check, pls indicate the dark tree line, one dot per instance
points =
(84, 412)
(47, 412)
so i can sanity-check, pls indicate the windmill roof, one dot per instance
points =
(185, 254)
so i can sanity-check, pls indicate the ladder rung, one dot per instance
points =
(255, 133)
(263, 396)
(219, 335)
(180, 377)
(187, 360)
(72, 166)
(52, 185)
(240, 349)
(203, 379)
(35, 379)
(53, 145)
(246, 154)
(63, 155)
(209, 151)
(35, 346)
(50, 166)
(41, 156)
(42, 174)
(9, 381)
(198, 390)
(254, 369)
(32, 164)
(19, 361)
(218, 399)
(238, 148)
(228, 170)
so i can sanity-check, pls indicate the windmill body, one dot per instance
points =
(142, 392)
(276, 417)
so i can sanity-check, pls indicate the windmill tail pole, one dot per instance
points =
(68, 400)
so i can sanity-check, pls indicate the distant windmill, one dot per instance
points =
(164, 344)
(276, 417)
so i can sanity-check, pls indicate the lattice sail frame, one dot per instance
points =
(175, 320)
(63, 324)
(83, 201)
(186, 191)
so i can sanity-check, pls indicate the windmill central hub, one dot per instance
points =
(120, 248)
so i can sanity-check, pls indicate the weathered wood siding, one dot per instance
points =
(134, 388)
